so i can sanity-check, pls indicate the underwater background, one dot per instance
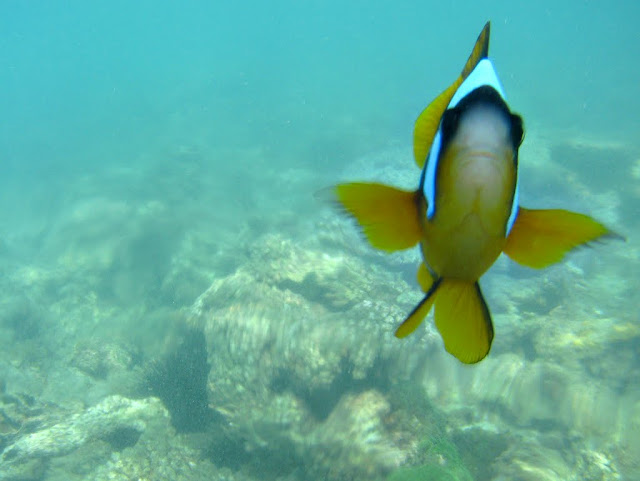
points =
(178, 302)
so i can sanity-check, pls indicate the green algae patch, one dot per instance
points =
(425, 473)
(444, 464)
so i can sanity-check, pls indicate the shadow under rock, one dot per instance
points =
(179, 379)
(322, 400)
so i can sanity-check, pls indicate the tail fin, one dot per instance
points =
(463, 319)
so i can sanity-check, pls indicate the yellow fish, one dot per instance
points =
(465, 211)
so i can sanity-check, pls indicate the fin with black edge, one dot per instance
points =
(415, 318)
(463, 320)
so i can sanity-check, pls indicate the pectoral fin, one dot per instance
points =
(542, 237)
(388, 216)
(463, 319)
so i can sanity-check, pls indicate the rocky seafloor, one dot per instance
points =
(143, 343)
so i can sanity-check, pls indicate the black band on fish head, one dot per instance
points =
(482, 95)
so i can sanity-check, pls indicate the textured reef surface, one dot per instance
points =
(150, 345)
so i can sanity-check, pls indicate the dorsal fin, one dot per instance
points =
(427, 123)
(480, 51)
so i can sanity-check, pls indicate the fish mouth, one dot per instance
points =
(482, 169)
(472, 155)
(482, 160)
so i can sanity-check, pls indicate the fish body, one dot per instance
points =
(465, 211)
(476, 179)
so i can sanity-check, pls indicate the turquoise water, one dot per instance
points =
(164, 235)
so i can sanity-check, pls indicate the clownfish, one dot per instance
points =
(465, 212)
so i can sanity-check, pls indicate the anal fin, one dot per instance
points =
(415, 318)
(424, 277)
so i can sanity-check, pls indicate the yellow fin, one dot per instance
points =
(424, 277)
(388, 216)
(542, 237)
(480, 51)
(463, 319)
(419, 312)
(428, 121)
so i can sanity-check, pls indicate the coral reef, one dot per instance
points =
(318, 331)
(356, 440)
(289, 369)
(116, 421)
(294, 347)
(97, 358)
(117, 439)
(22, 414)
